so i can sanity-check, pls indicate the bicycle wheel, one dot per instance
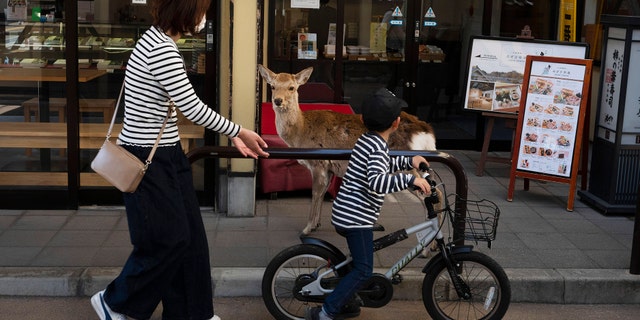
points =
(287, 273)
(488, 283)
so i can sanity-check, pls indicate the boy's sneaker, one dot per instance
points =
(351, 309)
(103, 310)
(316, 314)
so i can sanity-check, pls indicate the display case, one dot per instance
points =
(35, 95)
(30, 44)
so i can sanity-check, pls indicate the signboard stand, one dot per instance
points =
(549, 133)
(615, 157)
(494, 77)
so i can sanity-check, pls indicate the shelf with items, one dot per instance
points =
(100, 45)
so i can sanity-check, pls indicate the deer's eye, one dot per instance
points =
(292, 88)
(273, 87)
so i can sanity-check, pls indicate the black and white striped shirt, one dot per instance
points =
(155, 75)
(370, 175)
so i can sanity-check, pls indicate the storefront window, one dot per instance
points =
(540, 16)
(417, 49)
(35, 91)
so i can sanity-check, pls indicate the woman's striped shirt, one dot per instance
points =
(155, 75)
(371, 174)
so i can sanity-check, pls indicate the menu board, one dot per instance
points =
(496, 69)
(551, 112)
(550, 120)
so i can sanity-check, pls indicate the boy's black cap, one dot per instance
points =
(380, 109)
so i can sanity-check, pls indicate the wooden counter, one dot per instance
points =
(47, 74)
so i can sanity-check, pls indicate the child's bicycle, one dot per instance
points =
(459, 283)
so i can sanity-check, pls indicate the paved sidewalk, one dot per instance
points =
(550, 254)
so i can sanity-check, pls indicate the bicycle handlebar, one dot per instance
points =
(424, 168)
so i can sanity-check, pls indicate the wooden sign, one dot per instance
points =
(551, 119)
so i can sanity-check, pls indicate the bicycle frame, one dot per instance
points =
(427, 231)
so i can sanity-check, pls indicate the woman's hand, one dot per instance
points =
(250, 144)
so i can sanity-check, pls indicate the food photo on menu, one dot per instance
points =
(540, 86)
(506, 96)
(568, 97)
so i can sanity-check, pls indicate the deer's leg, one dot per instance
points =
(321, 178)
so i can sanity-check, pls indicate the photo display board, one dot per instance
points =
(551, 119)
(496, 69)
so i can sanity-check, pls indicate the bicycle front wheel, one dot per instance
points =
(487, 282)
(285, 276)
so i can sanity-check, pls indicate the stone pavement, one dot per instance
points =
(550, 254)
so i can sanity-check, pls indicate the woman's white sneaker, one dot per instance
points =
(103, 310)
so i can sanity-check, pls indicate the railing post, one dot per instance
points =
(635, 246)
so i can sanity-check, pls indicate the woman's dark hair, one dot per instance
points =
(178, 16)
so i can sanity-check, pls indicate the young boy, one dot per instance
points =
(370, 175)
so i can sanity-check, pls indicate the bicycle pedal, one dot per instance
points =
(397, 279)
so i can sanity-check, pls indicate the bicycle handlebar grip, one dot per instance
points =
(425, 169)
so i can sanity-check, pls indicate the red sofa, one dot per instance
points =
(287, 174)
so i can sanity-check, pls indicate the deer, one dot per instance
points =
(332, 130)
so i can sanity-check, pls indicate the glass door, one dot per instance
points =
(375, 47)
(439, 35)
(416, 49)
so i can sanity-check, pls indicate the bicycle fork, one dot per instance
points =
(454, 268)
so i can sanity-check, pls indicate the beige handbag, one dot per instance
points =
(117, 165)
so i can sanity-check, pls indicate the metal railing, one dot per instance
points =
(344, 154)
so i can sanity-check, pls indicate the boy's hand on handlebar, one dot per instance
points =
(422, 185)
(417, 160)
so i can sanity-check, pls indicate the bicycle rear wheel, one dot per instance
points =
(287, 273)
(488, 283)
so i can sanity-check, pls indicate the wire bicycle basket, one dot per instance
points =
(480, 220)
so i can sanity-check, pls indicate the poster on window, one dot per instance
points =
(378, 37)
(305, 4)
(307, 45)
(496, 66)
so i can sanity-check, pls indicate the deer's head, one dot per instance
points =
(284, 87)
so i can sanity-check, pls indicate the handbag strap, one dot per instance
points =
(164, 124)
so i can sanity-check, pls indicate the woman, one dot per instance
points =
(170, 258)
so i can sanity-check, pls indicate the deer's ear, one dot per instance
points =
(303, 76)
(266, 74)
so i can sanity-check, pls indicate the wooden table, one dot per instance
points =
(104, 106)
(45, 76)
(54, 135)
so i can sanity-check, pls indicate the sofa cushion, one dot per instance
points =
(287, 174)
